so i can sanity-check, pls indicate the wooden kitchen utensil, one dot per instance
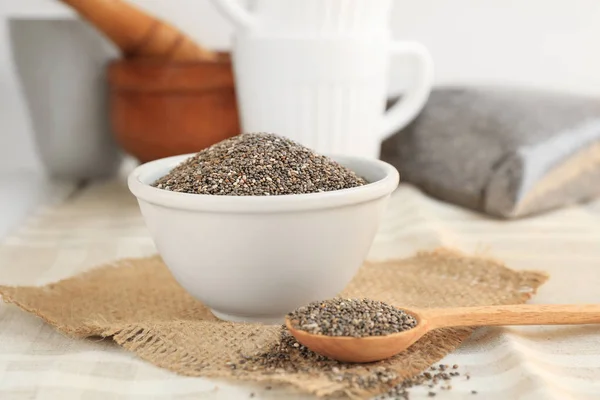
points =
(160, 109)
(138, 34)
(375, 348)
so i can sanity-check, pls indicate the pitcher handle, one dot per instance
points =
(415, 97)
(232, 10)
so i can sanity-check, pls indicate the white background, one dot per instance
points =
(551, 44)
(542, 43)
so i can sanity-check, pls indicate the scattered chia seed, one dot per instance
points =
(426, 379)
(286, 357)
(351, 317)
(289, 356)
(258, 164)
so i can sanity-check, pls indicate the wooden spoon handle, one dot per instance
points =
(526, 314)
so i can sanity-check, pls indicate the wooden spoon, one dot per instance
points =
(375, 348)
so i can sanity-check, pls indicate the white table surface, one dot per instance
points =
(24, 191)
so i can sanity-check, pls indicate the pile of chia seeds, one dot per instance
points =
(258, 164)
(351, 317)
(289, 356)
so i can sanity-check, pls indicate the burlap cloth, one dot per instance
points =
(137, 303)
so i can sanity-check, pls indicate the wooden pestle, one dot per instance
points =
(138, 34)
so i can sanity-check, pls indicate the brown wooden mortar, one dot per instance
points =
(159, 109)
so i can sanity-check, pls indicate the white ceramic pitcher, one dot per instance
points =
(327, 93)
(309, 17)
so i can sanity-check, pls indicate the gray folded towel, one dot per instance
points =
(505, 152)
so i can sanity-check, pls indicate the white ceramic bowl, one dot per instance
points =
(256, 258)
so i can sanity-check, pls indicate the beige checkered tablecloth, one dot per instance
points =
(101, 223)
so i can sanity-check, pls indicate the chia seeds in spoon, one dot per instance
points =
(351, 317)
(258, 164)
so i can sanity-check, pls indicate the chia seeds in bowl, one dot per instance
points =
(351, 317)
(239, 253)
(258, 164)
